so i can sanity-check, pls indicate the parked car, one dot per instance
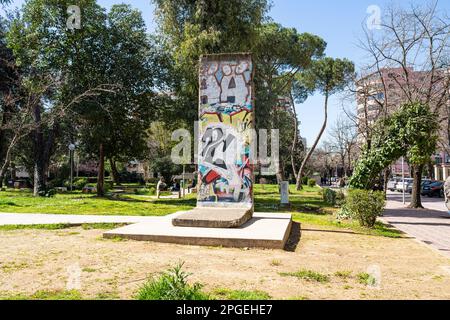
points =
(404, 185)
(424, 183)
(391, 185)
(435, 189)
(425, 186)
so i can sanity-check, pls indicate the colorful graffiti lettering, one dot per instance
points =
(226, 120)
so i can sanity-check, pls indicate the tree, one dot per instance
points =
(410, 132)
(409, 55)
(113, 127)
(280, 55)
(43, 48)
(328, 76)
(190, 28)
(343, 140)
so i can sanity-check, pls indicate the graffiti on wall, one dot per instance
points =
(225, 130)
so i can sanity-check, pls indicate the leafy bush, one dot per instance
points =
(329, 196)
(311, 183)
(50, 193)
(171, 285)
(145, 191)
(79, 183)
(305, 180)
(340, 198)
(365, 206)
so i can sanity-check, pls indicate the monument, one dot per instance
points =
(226, 125)
(224, 215)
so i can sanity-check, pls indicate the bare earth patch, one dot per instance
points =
(34, 260)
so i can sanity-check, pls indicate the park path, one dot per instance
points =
(37, 219)
(430, 225)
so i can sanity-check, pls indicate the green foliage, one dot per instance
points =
(411, 131)
(366, 279)
(227, 294)
(329, 196)
(308, 275)
(311, 183)
(365, 206)
(79, 183)
(171, 285)
(305, 181)
(328, 75)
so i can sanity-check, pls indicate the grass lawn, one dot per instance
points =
(307, 206)
(331, 261)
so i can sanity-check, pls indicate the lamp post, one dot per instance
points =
(71, 152)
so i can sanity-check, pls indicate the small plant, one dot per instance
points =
(365, 205)
(311, 183)
(329, 196)
(366, 279)
(307, 275)
(305, 180)
(171, 285)
(228, 294)
(343, 274)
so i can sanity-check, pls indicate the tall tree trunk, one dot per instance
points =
(311, 151)
(114, 171)
(39, 179)
(295, 138)
(387, 175)
(416, 201)
(101, 172)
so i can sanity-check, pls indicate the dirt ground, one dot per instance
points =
(33, 260)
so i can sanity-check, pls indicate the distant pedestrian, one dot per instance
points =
(160, 187)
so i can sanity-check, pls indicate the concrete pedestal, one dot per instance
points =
(264, 230)
(213, 218)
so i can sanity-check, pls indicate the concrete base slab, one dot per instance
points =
(204, 217)
(264, 230)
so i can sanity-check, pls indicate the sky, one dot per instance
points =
(339, 23)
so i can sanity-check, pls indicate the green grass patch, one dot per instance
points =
(36, 227)
(44, 295)
(171, 285)
(227, 294)
(308, 275)
(307, 207)
(343, 274)
(366, 279)
(86, 226)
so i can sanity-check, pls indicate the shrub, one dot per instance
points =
(340, 198)
(311, 183)
(79, 183)
(329, 196)
(305, 180)
(365, 206)
(171, 285)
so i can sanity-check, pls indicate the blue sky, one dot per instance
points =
(339, 23)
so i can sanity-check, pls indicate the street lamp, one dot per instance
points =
(71, 152)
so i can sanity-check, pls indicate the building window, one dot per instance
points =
(231, 99)
(204, 99)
